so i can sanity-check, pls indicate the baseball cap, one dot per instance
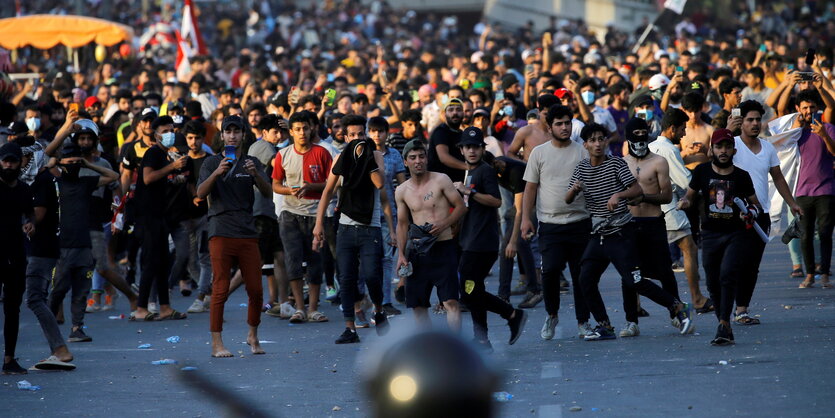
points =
(86, 125)
(148, 113)
(232, 121)
(91, 101)
(657, 81)
(481, 112)
(415, 143)
(19, 128)
(508, 81)
(720, 135)
(563, 92)
(454, 102)
(10, 151)
(471, 136)
(642, 101)
(402, 95)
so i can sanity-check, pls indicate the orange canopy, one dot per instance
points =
(46, 31)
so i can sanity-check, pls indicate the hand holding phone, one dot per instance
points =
(735, 112)
(229, 152)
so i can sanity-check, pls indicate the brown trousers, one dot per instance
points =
(224, 253)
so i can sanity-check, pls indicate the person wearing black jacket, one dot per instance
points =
(359, 238)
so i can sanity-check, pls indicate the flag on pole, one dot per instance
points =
(676, 6)
(183, 65)
(190, 32)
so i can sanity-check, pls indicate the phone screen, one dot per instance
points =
(229, 152)
(810, 56)
(679, 69)
(500, 95)
(74, 106)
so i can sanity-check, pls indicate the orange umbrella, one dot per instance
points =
(46, 31)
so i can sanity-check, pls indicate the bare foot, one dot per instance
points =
(63, 354)
(255, 346)
(220, 351)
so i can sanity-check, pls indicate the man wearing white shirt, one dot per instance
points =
(759, 158)
(678, 227)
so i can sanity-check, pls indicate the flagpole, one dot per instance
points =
(643, 37)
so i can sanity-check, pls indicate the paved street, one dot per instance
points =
(780, 368)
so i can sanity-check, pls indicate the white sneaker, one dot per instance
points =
(92, 308)
(585, 330)
(548, 327)
(287, 310)
(153, 307)
(630, 330)
(196, 307)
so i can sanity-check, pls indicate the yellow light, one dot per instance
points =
(403, 388)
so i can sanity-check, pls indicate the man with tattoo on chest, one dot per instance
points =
(653, 174)
(426, 241)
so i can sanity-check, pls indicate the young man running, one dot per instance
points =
(725, 244)
(427, 198)
(653, 175)
(479, 240)
(607, 184)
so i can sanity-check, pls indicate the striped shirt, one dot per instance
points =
(600, 183)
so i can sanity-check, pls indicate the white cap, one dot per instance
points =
(87, 124)
(526, 53)
(476, 57)
(657, 81)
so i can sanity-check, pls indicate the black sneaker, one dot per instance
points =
(349, 336)
(13, 368)
(601, 332)
(483, 346)
(516, 324)
(78, 336)
(381, 323)
(642, 313)
(389, 309)
(724, 336)
(531, 300)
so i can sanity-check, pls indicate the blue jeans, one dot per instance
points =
(199, 261)
(360, 254)
(526, 258)
(389, 254)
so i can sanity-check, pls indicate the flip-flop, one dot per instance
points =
(174, 316)
(53, 363)
(706, 307)
(152, 316)
(806, 285)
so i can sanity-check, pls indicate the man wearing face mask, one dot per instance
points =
(153, 220)
(17, 205)
(589, 93)
(33, 121)
(644, 108)
(75, 265)
(653, 175)
(508, 125)
(443, 155)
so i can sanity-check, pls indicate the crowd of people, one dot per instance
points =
(387, 155)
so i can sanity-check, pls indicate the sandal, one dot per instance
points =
(796, 274)
(317, 316)
(745, 319)
(706, 307)
(826, 284)
(298, 317)
(173, 316)
(152, 316)
(806, 284)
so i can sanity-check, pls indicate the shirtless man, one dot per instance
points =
(534, 134)
(697, 136)
(427, 198)
(653, 174)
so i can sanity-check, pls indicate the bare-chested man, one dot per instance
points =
(697, 136)
(653, 175)
(534, 134)
(427, 198)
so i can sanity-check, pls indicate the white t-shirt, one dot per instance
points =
(605, 118)
(576, 128)
(757, 166)
(551, 168)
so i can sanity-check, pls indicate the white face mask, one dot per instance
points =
(33, 124)
(168, 139)
(588, 97)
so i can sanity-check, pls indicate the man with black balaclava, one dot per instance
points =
(653, 175)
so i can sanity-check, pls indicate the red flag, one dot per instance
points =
(190, 31)
(183, 65)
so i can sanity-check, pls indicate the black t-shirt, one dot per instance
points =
(132, 154)
(100, 211)
(231, 199)
(720, 214)
(16, 202)
(178, 193)
(194, 165)
(444, 135)
(74, 201)
(151, 199)
(513, 177)
(480, 229)
(45, 238)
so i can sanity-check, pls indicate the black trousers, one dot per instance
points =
(473, 268)
(561, 245)
(155, 260)
(756, 248)
(723, 258)
(619, 249)
(817, 211)
(654, 259)
(13, 280)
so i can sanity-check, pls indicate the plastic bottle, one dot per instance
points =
(144, 346)
(173, 340)
(25, 385)
(502, 396)
(164, 361)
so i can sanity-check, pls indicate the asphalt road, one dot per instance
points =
(782, 367)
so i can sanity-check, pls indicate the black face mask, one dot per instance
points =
(720, 164)
(9, 174)
(87, 150)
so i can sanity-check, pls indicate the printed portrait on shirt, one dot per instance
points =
(721, 199)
